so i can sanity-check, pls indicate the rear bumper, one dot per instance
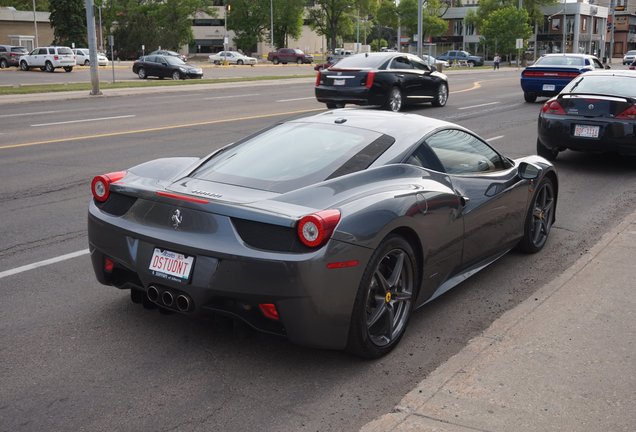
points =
(537, 86)
(556, 132)
(350, 95)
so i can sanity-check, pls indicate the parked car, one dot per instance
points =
(48, 59)
(10, 55)
(456, 56)
(387, 79)
(165, 66)
(329, 229)
(289, 55)
(552, 72)
(232, 57)
(432, 61)
(82, 57)
(629, 57)
(633, 65)
(595, 112)
(169, 53)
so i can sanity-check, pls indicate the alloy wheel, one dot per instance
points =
(542, 214)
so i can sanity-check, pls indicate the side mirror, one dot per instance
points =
(529, 171)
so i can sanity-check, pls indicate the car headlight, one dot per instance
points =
(182, 69)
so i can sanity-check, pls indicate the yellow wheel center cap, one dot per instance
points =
(387, 298)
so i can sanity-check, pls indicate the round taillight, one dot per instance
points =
(100, 186)
(315, 229)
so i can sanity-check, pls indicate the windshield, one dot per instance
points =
(294, 155)
(603, 84)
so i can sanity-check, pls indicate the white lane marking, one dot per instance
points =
(495, 138)
(83, 120)
(477, 106)
(28, 114)
(232, 96)
(296, 99)
(42, 263)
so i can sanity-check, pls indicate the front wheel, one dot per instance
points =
(68, 68)
(299, 61)
(394, 100)
(547, 153)
(24, 66)
(239, 62)
(539, 218)
(275, 61)
(176, 75)
(142, 73)
(529, 97)
(384, 300)
(331, 105)
(471, 63)
(442, 96)
(87, 62)
(49, 67)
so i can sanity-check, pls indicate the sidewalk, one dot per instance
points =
(563, 360)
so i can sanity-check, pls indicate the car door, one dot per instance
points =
(39, 58)
(427, 84)
(162, 67)
(494, 197)
(409, 78)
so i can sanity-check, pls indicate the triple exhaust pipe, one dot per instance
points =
(166, 298)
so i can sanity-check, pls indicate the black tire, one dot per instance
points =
(442, 96)
(529, 97)
(48, 66)
(539, 218)
(4, 64)
(394, 100)
(275, 61)
(547, 153)
(239, 62)
(24, 66)
(217, 62)
(142, 73)
(299, 61)
(68, 69)
(384, 301)
(87, 62)
(471, 63)
(332, 105)
(176, 75)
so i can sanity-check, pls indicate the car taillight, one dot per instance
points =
(318, 79)
(553, 107)
(628, 114)
(269, 311)
(315, 229)
(370, 78)
(55, 57)
(100, 186)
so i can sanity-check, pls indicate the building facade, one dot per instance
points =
(19, 28)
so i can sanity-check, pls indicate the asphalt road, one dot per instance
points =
(75, 355)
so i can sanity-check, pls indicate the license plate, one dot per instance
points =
(171, 265)
(338, 82)
(586, 131)
(549, 87)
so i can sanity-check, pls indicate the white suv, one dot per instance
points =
(629, 57)
(82, 57)
(48, 59)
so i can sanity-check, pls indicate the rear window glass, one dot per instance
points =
(64, 51)
(363, 61)
(19, 49)
(603, 84)
(293, 155)
(561, 61)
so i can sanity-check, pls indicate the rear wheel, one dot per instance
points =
(539, 218)
(442, 96)
(24, 66)
(545, 152)
(384, 300)
(48, 66)
(529, 97)
(4, 64)
(87, 62)
(394, 100)
(471, 63)
(275, 61)
(142, 73)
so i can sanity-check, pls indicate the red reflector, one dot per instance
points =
(370, 79)
(182, 197)
(342, 264)
(109, 264)
(269, 311)
(628, 114)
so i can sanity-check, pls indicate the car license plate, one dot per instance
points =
(586, 131)
(171, 265)
(549, 87)
(338, 82)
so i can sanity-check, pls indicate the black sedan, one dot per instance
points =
(387, 79)
(595, 112)
(165, 67)
(328, 229)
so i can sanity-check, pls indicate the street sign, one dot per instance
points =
(519, 44)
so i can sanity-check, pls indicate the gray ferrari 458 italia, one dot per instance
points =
(329, 229)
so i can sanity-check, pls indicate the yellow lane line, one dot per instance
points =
(476, 85)
(35, 143)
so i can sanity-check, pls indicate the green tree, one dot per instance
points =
(332, 18)
(288, 21)
(68, 19)
(387, 14)
(249, 19)
(432, 22)
(26, 5)
(500, 29)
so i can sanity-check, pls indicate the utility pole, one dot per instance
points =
(613, 15)
(92, 47)
(35, 24)
(419, 28)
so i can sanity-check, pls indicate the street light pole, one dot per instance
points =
(419, 28)
(271, 22)
(35, 24)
